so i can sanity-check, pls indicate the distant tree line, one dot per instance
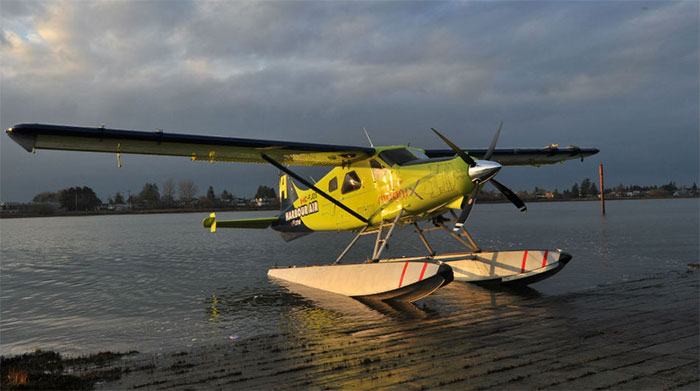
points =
(265, 192)
(71, 199)
(185, 195)
(170, 195)
(587, 189)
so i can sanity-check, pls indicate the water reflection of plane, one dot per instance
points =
(231, 302)
(454, 297)
(308, 307)
(461, 296)
(334, 337)
(479, 295)
(356, 308)
(344, 337)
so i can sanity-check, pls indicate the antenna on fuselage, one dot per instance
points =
(368, 139)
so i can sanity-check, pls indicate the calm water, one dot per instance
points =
(161, 282)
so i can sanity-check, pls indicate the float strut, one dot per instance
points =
(469, 238)
(424, 240)
(352, 243)
(468, 243)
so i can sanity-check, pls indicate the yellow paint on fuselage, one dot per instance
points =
(420, 190)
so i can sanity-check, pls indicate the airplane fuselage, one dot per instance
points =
(395, 180)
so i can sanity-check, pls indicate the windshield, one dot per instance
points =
(397, 156)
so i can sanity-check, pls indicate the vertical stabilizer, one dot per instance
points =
(287, 192)
(289, 227)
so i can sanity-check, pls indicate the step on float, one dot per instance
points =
(408, 280)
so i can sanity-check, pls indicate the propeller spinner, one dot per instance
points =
(480, 172)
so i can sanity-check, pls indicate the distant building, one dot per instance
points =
(546, 195)
(117, 207)
(259, 202)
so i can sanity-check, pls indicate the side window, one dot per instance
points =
(351, 182)
(333, 184)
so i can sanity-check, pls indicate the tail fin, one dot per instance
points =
(287, 191)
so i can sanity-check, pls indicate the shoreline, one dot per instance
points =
(183, 211)
(634, 334)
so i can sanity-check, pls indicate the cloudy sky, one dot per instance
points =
(620, 76)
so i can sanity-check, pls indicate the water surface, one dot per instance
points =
(161, 282)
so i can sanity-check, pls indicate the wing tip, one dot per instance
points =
(22, 135)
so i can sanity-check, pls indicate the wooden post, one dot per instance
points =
(602, 189)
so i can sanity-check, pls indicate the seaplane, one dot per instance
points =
(368, 190)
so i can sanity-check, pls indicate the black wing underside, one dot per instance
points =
(229, 149)
(523, 156)
(196, 147)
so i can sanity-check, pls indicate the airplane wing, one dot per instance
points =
(196, 147)
(523, 156)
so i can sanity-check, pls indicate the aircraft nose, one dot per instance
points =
(483, 171)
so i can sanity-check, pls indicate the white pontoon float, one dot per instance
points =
(401, 281)
(412, 278)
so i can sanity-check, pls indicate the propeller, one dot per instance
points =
(480, 172)
(467, 159)
(509, 194)
(466, 209)
(494, 141)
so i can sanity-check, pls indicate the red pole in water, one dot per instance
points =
(602, 189)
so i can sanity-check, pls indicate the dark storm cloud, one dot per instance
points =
(621, 76)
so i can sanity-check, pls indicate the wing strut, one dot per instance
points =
(314, 188)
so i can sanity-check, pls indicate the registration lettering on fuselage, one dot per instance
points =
(301, 211)
(394, 195)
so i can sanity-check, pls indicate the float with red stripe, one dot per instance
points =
(409, 280)
(515, 267)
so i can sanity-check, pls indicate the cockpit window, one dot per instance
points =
(351, 182)
(397, 156)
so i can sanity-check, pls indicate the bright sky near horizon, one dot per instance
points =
(621, 76)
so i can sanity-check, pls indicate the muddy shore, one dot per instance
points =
(641, 334)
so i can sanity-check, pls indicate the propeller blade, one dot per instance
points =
(466, 209)
(492, 147)
(509, 194)
(467, 159)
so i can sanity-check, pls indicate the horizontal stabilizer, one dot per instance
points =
(255, 223)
